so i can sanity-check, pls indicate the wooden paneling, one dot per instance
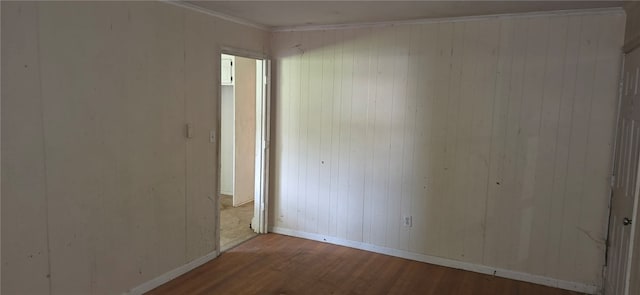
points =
(494, 134)
(115, 113)
(25, 256)
(275, 264)
(201, 73)
(96, 103)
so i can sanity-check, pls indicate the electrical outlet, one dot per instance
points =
(408, 221)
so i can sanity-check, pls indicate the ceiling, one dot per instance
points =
(279, 14)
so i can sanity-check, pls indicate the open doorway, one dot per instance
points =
(243, 148)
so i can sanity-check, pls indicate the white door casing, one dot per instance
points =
(259, 222)
(625, 183)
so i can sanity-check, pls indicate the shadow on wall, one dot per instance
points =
(475, 131)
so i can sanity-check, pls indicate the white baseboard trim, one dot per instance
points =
(509, 274)
(245, 202)
(168, 276)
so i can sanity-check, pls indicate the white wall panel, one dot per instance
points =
(244, 120)
(100, 174)
(25, 255)
(494, 134)
(226, 139)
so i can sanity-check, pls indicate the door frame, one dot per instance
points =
(261, 199)
(632, 233)
(636, 193)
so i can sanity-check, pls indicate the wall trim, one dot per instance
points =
(451, 19)
(235, 51)
(170, 275)
(210, 12)
(483, 269)
(245, 22)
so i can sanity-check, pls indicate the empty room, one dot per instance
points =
(370, 147)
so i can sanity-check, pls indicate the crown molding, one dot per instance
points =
(449, 19)
(223, 16)
(245, 22)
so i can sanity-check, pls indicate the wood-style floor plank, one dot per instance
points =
(277, 264)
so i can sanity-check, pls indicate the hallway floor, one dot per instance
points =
(234, 223)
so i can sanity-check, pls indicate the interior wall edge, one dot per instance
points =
(478, 268)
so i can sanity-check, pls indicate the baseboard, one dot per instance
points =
(509, 274)
(244, 203)
(168, 276)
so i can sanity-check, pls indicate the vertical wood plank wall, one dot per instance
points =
(494, 134)
(101, 189)
(23, 170)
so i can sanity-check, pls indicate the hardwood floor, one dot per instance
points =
(277, 264)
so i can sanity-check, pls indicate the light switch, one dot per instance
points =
(189, 131)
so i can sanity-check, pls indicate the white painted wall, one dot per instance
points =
(226, 140)
(245, 130)
(101, 189)
(494, 134)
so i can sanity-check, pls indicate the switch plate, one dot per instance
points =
(189, 131)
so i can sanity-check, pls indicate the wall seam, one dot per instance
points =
(588, 131)
(570, 137)
(557, 127)
(493, 109)
(186, 145)
(44, 150)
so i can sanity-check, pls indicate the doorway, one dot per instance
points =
(244, 113)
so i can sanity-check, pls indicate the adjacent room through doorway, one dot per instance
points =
(241, 169)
